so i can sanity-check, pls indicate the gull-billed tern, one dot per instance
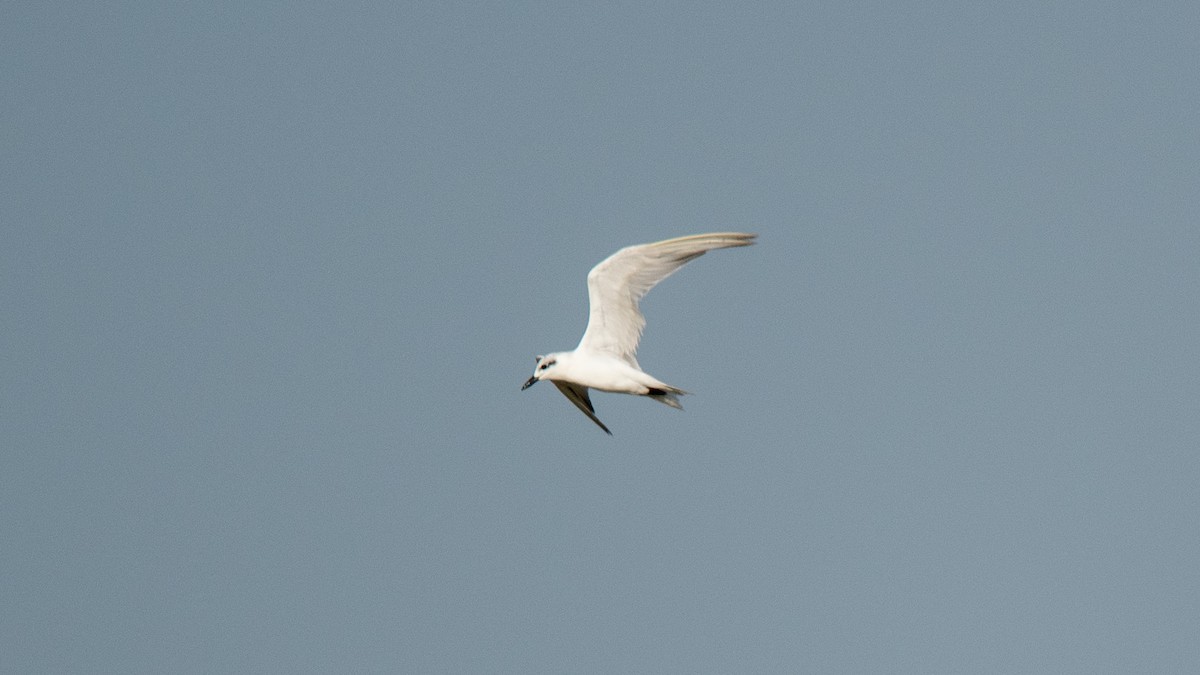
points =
(605, 358)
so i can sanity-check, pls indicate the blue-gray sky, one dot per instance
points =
(273, 274)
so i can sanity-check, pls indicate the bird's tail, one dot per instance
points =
(667, 395)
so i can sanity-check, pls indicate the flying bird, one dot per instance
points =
(606, 356)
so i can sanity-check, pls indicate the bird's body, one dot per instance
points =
(602, 371)
(606, 356)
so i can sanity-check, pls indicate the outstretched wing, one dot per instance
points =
(579, 396)
(617, 284)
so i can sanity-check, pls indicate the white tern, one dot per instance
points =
(606, 356)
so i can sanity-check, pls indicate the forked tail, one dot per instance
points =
(666, 395)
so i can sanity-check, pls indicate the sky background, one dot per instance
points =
(272, 274)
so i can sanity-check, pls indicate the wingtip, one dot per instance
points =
(731, 239)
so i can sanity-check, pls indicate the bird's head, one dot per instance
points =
(544, 365)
